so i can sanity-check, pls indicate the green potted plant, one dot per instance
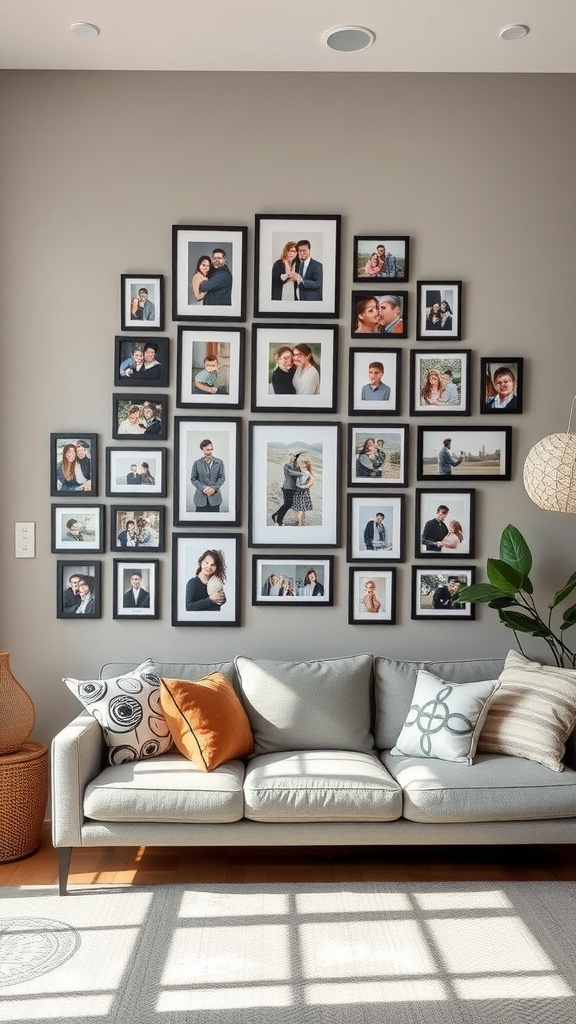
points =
(509, 590)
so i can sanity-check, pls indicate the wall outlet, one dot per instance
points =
(25, 540)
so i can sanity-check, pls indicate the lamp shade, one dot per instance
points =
(550, 473)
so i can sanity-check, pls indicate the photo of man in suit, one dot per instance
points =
(309, 274)
(134, 477)
(136, 596)
(207, 477)
(217, 287)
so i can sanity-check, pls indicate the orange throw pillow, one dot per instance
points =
(206, 719)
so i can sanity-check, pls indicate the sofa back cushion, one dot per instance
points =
(395, 682)
(308, 705)
(174, 670)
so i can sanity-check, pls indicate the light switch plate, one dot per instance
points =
(25, 540)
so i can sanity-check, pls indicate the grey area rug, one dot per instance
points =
(339, 953)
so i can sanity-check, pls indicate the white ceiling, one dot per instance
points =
(285, 35)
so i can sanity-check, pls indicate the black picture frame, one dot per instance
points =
(504, 369)
(151, 465)
(365, 382)
(440, 382)
(67, 602)
(205, 351)
(371, 596)
(430, 541)
(187, 550)
(316, 357)
(77, 529)
(81, 480)
(140, 419)
(141, 362)
(319, 295)
(192, 243)
(133, 599)
(148, 313)
(367, 443)
(392, 265)
(148, 534)
(428, 579)
(192, 474)
(485, 453)
(298, 579)
(380, 313)
(375, 527)
(432, 293)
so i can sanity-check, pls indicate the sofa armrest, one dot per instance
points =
(76, 760)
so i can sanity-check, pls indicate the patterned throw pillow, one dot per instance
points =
(533, 714)
(445, 719)
(128, 709)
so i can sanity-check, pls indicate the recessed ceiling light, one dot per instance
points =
(348, 38)
(514, 32)
(84, 30)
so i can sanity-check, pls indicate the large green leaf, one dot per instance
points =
(515, 551)
(479, 593)
(523, 623)
(562, 594)
(506, 601)
(504, 577)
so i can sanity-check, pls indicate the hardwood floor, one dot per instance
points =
(154, 865)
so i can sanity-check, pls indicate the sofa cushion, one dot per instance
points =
(533, 713)
(308, 705)
(320, 785)
(394, 683)
(445, 719)
(206, 719)
(127, 707)
(169, 789)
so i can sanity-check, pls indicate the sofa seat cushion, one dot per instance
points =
(493, 788)
(169, 788)
(320, 785)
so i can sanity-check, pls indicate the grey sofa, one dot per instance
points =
(321, 772)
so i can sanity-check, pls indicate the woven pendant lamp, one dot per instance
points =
(550, 471)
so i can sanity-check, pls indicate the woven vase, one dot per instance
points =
(17, 715)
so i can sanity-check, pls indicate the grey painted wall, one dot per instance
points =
(97, 167)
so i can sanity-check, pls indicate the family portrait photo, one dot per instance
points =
(297, 260)
(294, 367)
(435, 595)
(206, 580)
(294, 493)
(374, 381)
(382, 258)
(142, 302)
(444, 523)
(439, 313)
(140, 362)
(135, 589)
(208, 273)
(210, 368)
(74, 465)
(372, 597)
(207, 461)
(381, 312)
(440, 383)
(292, 581)
(377, 455)
(470, 453)
(140, 416)
(501, 384)
(137, 527)
(375, 528)
(139, 473)
(78, 591)
(79, 528)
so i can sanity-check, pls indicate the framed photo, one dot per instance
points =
(444, 523)
(374, 381)
(378, 455)
(140, 362)
(297, 266)
(208, 272)
(385, 257)
(137, 528)
(292, 581)
(132, 473)
(375, 528)
(136, 589)
(294, 367)
(381, 311)
(294, 483)
(207, 464)
(440, 383)
(140, 417)
(372, 597)
(435, 594)
(469, 453)
(439, 310)
(79, 528)
(210, 367)
(501, 384)
(74, 465)
(206, 579)
(142, 302)
(78, 590)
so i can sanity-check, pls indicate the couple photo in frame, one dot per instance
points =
(208, 272)
(142, 302)
(297, 265)
(293, 580)
(294, 367)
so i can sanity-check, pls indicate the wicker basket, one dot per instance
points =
(23, 797)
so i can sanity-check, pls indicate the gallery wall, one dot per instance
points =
(95, 168)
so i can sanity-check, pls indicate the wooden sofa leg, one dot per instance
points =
(64, 857)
